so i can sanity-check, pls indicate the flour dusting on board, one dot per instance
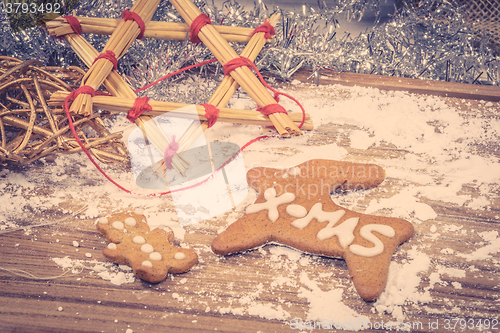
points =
(439, 157)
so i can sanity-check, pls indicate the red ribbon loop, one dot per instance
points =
(272, 108)
(71, 97)
(232, 64)
(170, 152)
(140, 106)
(199, 22)
(267, 28)
(108, 55)
(127, 15)
(74, 24)
(211, 113)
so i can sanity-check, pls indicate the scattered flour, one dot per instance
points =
(267, 311)
(107, 271)
(402, 285)
(439, 158)
(403, 205)
(485, 252)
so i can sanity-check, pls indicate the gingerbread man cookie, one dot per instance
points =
(294, 208)
(150, 253)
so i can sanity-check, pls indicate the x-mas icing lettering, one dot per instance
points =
(271, 204)
(344, 231)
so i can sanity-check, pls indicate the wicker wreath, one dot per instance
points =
(30, 129)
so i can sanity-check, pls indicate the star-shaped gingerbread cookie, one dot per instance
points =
(150, 253)
(294, 208)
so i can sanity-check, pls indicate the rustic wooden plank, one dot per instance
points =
(90, 304)
(426, 87)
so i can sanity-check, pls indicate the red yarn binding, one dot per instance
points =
(108, 55)
(127, 15)
(232, 64)
(199, 22)
(272, 108)
(170, 152)
(267, 28)
(269, 109)
(211, 113)
(140, 105)
(74, 24)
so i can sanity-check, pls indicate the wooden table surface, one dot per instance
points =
(214, 295)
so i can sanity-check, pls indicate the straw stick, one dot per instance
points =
(154, 29)
(243, 75)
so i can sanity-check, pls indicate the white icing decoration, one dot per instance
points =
(112, 246)
(343, 231)
(103, 220)
(296, 210)
(271, 204)
(317, 213)
(139, 240)
(295, 171)
(130, 221)
(147, 248)
(155, 256)
(118, 225)
(139, 211)
(147, 263)
(366, 233)
(179, 256)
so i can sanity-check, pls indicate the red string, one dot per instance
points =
(211, 113)
(127, 15)
(108, 55)
(74, 24)
(140, 106)
(267, 28)
(71, 97)
(175, 73)
(199, 22)
(170, 152)
(232, 64)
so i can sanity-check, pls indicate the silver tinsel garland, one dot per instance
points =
(431, 41)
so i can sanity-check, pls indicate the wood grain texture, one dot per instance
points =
(201, 299)
(383, 82)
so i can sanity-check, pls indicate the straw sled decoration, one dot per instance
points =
(136, 24)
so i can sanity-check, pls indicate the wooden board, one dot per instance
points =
(215, 295)
(428, 87)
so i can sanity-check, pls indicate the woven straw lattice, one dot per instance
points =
(29, 129)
